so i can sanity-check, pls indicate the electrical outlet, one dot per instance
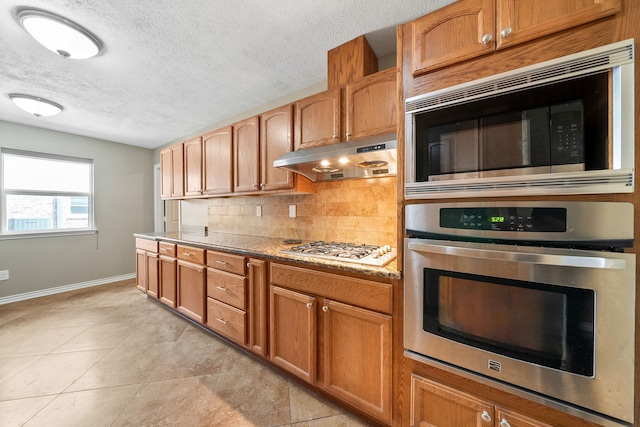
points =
(258, 210)
(4, 275)
(292, 211)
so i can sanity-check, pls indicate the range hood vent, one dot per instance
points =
(373, 157)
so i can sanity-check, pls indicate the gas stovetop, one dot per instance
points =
(348, 252)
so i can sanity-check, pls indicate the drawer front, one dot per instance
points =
(226, 287)
(187, 253)
(147, 245)
(226, 262)
(227, 320)
(167, 249)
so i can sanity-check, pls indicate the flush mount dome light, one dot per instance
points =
(36, 105)
(59, 35)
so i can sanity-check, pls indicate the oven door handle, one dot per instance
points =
(514, 256)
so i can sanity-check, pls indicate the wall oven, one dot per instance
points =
(534, 296)
(563, 126)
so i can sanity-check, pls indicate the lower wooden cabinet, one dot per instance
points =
(147, 266)
(257, 306)
(168, 265)
(436, 405)
(191, 286)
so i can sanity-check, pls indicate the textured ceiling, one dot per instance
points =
(173, 67)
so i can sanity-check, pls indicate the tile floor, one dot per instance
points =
(108, 356)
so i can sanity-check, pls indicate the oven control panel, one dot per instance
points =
(525, 219)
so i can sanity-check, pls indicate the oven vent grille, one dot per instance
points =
(589, 62)
(593, 182)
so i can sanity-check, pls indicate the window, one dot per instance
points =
(45, 193)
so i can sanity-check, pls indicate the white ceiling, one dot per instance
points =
(171, 68)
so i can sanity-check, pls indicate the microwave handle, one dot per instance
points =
(514, 256)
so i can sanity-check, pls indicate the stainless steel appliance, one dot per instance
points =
(564, 126)
(373, 157)
(534, 296)
(349, 252)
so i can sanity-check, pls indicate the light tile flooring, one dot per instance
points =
(108, 356)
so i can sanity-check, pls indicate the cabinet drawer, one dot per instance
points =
(226, 287)
(226, 262)
(147, 245)
(187, 253)
(167, 249)
(227, 320)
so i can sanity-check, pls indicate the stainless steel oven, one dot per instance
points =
(534, 296)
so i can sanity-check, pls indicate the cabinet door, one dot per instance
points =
(166, 171)
(193, 167)
(292, 321)
(371, 104)
(519, 21)
(436, 405)
(257, 275)
(168, 271)
(276, 139)
(457, 32)
(218, 165)
(152, 275)
(357, 357)
(141, 270)
(318, 119)
(192, 290)
(507, 418)
(177, 170)
(246, 168)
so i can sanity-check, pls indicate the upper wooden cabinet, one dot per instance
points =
(318, 119)
(217, 156)
(470, 28)
(246, 162)
(276, 139)
(371, 105)
(369, 109)
(172, 167)
(193, 167)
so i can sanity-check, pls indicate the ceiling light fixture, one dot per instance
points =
(59, 35)
(36, 105)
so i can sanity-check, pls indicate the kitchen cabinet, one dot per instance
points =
(172, 171)
(258, 322)
(318, 119)
(192, 167)
(217, 154)
(246, 138)
(191, 286)
(147, 266)
(226, 295)
(434, 404)
(469, 28)
(351, 357)
(276, 139)
(168, 265)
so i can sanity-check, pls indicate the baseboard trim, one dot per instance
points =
(65, 288)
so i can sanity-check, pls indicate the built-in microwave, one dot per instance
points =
(564, 126)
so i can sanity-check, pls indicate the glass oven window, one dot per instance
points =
(549, 325)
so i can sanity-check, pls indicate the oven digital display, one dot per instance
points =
(523, 219)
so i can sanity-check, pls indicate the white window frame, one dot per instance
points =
(6, 234)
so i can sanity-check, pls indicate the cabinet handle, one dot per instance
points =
(309, 304)
(335, 136)
(504, 423)
(201, 271)
(255, 185)
(221, 262)
(186, 254)
(487, 38)
(485, 417)
(505, 32)
(226, 322)
(262, 185)
(348, 134)
(248, 265)
(221, 288)
(325, 308)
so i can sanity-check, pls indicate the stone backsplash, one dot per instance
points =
(362, 211)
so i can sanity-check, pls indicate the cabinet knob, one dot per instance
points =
(262, 185)
(255, 185)
(248, 265)
(487, 38)
(505, 32)
(335, 136)
(485, 417)
(325, 308)
(348, 134)
(504, 423)
(309, 304)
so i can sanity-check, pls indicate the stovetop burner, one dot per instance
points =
(350, 252)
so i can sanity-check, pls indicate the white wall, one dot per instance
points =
(123, 185)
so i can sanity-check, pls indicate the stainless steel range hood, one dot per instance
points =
(373, 157)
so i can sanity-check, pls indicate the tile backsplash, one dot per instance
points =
(360, 211)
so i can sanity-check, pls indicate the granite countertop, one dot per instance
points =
(268, 247)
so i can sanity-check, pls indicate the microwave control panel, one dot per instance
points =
(505, 219)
